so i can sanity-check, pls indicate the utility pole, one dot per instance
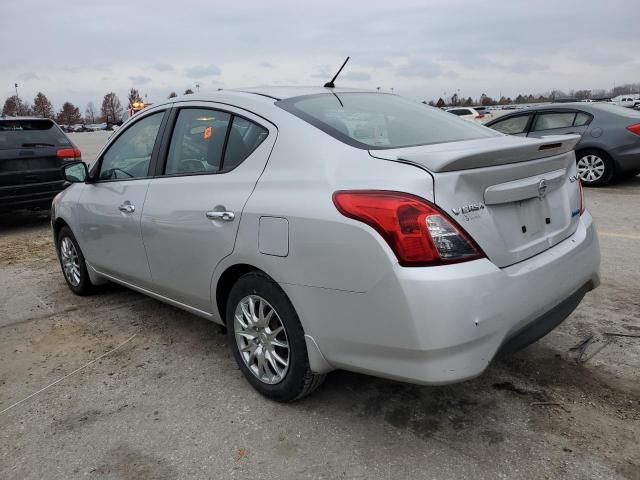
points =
(17, 101)
(197, 87)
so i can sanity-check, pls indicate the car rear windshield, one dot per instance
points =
(379, 120)
(16, 133)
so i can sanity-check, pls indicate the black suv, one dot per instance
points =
(32, 150)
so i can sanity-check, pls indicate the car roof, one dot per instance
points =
(23, 118)
(284, 92)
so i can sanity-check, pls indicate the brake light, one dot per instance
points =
(635, 128)
(480, 115)
(68, 154)
(418, 232)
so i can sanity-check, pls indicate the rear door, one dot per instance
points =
(111, 205)
(560, 122)
(212, 158)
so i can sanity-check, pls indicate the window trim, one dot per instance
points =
(95, 169)
(504, 118)
(163, 154)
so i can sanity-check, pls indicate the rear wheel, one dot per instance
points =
(72, 263)
(595, 168)
(267, 339)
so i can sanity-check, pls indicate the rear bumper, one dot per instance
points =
(29, 196)
(445, 324)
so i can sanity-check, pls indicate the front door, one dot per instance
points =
(111, 205)
(192, 212)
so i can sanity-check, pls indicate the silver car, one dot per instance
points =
(335, 229)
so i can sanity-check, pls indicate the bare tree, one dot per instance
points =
(90, 113)
(188, 91)
(42, 106)
(172, 95)
(111, 108)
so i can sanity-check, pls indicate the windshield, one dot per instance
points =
(32, 133)
(379, 121)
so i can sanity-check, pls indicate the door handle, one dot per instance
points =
(126, 207)
(224, 216)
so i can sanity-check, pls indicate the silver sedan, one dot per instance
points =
(334, 229)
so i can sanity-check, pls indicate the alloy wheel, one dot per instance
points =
(591, 168)
(70, 261)
(261, 339)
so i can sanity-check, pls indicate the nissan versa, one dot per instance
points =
(335, 229)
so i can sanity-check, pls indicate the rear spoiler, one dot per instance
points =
(486, 152)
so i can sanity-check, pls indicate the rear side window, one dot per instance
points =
(460, 111)
(31, 134)
(551, 120)
(378, 120)
(512, 125)
(581, 119)
(211, 141)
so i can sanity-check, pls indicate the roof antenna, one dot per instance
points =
(331, 84)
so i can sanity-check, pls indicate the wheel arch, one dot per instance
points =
(226, 281)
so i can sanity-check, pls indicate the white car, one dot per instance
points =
(630, 101)
(469, 113)
(333, 229)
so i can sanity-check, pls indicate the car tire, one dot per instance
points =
(257, 308)
(72, 262)
(595, 168)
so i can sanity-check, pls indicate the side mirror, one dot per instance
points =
(75, 172)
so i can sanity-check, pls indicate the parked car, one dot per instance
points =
(334, 229)
(466, 113)
(32, 151)
(630, 101)
(610, 135)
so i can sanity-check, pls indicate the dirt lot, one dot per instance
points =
(170, 403)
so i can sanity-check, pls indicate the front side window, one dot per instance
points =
(210, 141)
(551, 120)
(512, 125)
(378, 120)
(129, 155)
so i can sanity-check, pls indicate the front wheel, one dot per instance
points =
(267, 339)
(72, 263)
(595, 168)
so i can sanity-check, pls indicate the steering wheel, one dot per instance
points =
(192, 165)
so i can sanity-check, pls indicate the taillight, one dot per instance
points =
(635, 128)
(480, 115)
(418, 232)
(67, 154)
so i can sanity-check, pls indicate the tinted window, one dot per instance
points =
(581, 119)
(376, 120)
(129, 155)
(202, 141)
(31, 134)
(197, 141)
(460, 111)
(548, 121)
(512, 125)
(244, 138)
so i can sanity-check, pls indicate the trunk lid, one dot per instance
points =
(29, 166)
(516, 197)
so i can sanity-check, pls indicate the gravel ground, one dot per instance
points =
(170, 402)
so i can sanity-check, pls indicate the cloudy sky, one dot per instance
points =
(79, 50)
